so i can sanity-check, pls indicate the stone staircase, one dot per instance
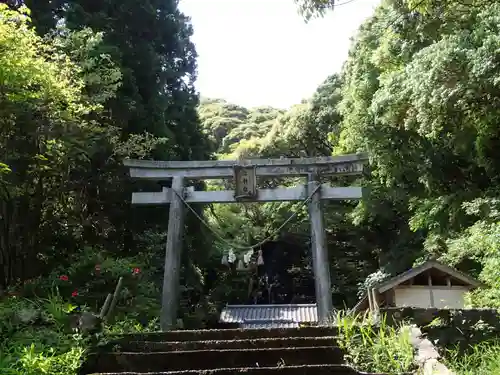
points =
(292, 351)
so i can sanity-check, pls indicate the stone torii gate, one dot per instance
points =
(245, 174)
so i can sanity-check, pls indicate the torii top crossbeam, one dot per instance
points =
(215, 169)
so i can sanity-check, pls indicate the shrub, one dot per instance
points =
(482, 359)
(36, 335)
(93, 273)
(36, 339)
(374, 347)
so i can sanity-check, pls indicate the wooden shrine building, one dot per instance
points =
(430, 285)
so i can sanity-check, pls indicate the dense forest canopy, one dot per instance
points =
(418, 92)
(85, 84)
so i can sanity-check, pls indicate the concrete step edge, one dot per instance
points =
(306, 348)
(260, 339)
(318, 331)
(245, 369)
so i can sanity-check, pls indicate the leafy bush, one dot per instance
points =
(35, 337)
(132, 326)
(374, 347)
(483, 359)
(93, 273)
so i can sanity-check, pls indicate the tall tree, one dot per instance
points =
(150, 43)
(49, 129)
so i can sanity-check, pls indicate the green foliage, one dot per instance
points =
(419, 92)
(100, 74)
(75, 103)
(36, 339)
(314, 8)
(129, 325)
(36, 336)
(232, 128)
(483, 360)
(93, 273)
(479, 243)
(48, 128)
(308, 129)
(370, 348)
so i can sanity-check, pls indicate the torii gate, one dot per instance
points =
(245, 173)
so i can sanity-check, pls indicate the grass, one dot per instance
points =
(382, 348)
(483, 359)
(374, 348)
(36, 339)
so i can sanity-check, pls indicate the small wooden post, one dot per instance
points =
(376, 307)
(321, 266)
(171, 275)
(105, 306)
(114, 299)
(431, 292)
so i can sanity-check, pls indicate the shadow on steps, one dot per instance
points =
(213, 359)
(261, 343)
(228, 334)
(287, 370)
(291, 351)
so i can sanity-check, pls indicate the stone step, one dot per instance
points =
(285, 370)
(211, 359)
(275, 342)
(227, 334)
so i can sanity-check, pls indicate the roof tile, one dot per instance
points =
(262, 316)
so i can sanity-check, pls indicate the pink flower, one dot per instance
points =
(64, 277)
(136, 271)
(74, 294)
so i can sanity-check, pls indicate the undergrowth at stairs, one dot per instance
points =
(374, 348)
(382, 348)
(482, 359)
(36, 336)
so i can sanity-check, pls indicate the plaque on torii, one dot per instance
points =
(245, 173)
(245, 183)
